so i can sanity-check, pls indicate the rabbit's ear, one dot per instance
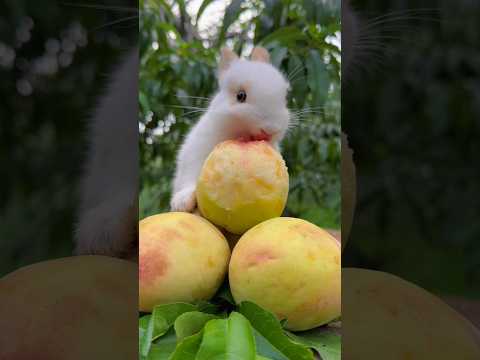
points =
(260, 54)
(227, 57)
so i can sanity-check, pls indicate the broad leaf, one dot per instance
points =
(318, 79)
(164, 316)
(285, 35)
(143, 321)
(264, 348)
(146, 326)
(324, 340)
(187, 349)
(164, 347)
(190, 323)
(145, 331)
(153, 326)
(277, 56)
(269, 327)
(228, 339)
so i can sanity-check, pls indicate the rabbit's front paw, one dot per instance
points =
(184, 200)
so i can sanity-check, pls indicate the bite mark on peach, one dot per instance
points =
(242, 184)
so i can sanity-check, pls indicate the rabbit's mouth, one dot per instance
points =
(262, 135)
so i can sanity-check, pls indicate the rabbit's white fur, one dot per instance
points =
(109, 190)
(264, 115)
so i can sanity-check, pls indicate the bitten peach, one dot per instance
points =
(390, 318)
(290, 267)
(72, 308)
(182, 257)
(242, 183)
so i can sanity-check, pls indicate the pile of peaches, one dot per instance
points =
(287, 266)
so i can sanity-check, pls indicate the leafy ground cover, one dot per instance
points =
(219, 329)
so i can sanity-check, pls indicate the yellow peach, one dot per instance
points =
(291, 268)
(182, 257)
(390, 318)
(242, 183)
(72, 308)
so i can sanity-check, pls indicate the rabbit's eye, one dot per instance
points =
(241, 96)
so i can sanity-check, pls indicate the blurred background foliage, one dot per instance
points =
(413, 122)
(180, 43)
(55, 59)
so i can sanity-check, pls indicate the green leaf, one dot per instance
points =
(277, 56)
(232, 12)
(141, 342)
(325, 340)
(269, 327)
(169, 27)
(146, 326)
(310, 7)
(207, 307)
(187, 349)
(318, 79)
(285, 35)
(228, 339)
(225, 294)
(158, 323)
(296, 76)
(202, 8)
(164, 347)
(144, 101)
(191, 323)
(264, 348)
(143, 321)
(164, 316)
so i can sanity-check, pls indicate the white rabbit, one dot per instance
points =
(250, 104)
(108, 211)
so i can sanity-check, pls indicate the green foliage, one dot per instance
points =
(228, 339)
(159, 322)
(324, 340)
(190, 323)
(248, 332)
(43, 129)
(413, 125)
(270, 330)
(178, 64)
